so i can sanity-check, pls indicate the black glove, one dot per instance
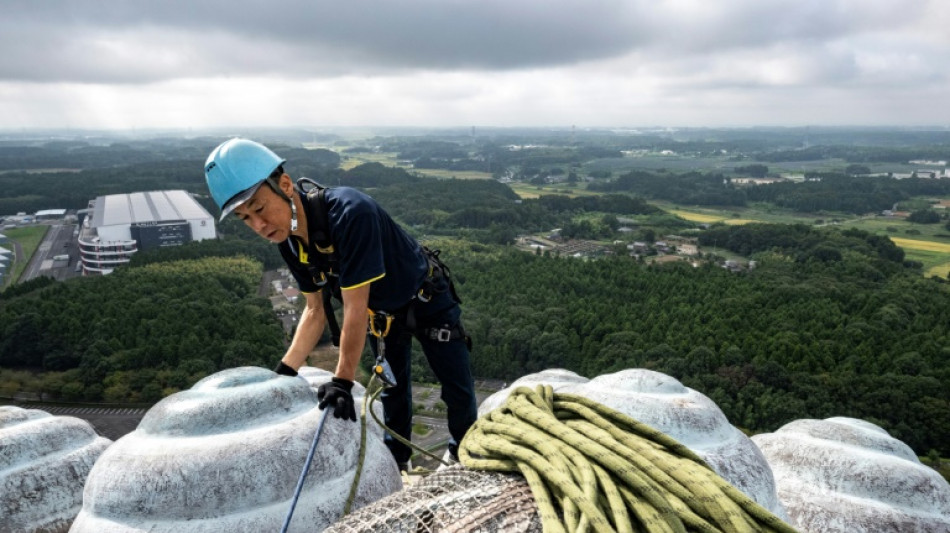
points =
(284, 370)
(336, 393)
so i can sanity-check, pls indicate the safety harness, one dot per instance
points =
(324, 268)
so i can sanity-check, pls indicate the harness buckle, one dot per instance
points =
(322, 282)
(441, 335)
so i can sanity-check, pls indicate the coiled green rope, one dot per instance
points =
(592, 468)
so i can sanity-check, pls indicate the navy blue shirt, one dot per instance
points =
(370, 249)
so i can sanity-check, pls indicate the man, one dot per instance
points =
(340, 241)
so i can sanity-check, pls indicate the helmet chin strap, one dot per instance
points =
(293, 216)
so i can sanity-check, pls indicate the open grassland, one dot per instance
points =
(942, 271)
(927, 243)
(458, 174)
(29, 237)
(710, 219)
(739, 215)
(389, 159)
(527, 190)
(927, 246)
(349, 161)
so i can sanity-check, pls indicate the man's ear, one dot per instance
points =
(286, 184)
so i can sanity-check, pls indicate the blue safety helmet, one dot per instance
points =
(236, 169)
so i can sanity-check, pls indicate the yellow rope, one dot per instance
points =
(592, 468)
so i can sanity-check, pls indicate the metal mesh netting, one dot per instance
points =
(453, 499)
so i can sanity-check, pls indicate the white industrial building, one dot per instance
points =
(51, 214)
(122, 224)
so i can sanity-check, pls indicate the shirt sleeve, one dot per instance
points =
(360, 245)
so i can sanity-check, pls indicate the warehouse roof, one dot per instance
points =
(51, 213)
(145, 208)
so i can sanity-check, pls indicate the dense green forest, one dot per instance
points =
(140, 333)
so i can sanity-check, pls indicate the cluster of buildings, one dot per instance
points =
(928, 173)
(117, 226)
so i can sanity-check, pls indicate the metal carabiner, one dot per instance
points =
(374, 328)
(382, 369)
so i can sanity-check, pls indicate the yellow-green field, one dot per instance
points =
(928, 246)
(935, 256)
(349, 161)
(942, 271)
(710, 219)
(389, 159)
(29, 238)
(527, 190)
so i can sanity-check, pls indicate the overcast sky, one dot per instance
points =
(589, 63)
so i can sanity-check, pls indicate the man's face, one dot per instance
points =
(267, 214)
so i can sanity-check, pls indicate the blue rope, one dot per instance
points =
(306, 467)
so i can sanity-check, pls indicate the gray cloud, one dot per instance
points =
(93, 41)
(119, 63)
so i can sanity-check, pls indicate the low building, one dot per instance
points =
(755, 181)
(291, 293)
(51, 214)
(122, 224)
(688, 249)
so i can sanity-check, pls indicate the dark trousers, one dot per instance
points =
(449, 361)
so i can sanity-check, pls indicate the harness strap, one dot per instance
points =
(317, 212)
(318, 225)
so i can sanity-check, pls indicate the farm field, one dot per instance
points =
(527, 190)
(927, 243)
(710, 219)
(389, 159)
(29, 237)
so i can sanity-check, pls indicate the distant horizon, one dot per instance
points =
(467, 129)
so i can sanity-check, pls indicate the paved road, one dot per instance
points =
(57, 241)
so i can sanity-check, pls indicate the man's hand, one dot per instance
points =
(336, 393)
